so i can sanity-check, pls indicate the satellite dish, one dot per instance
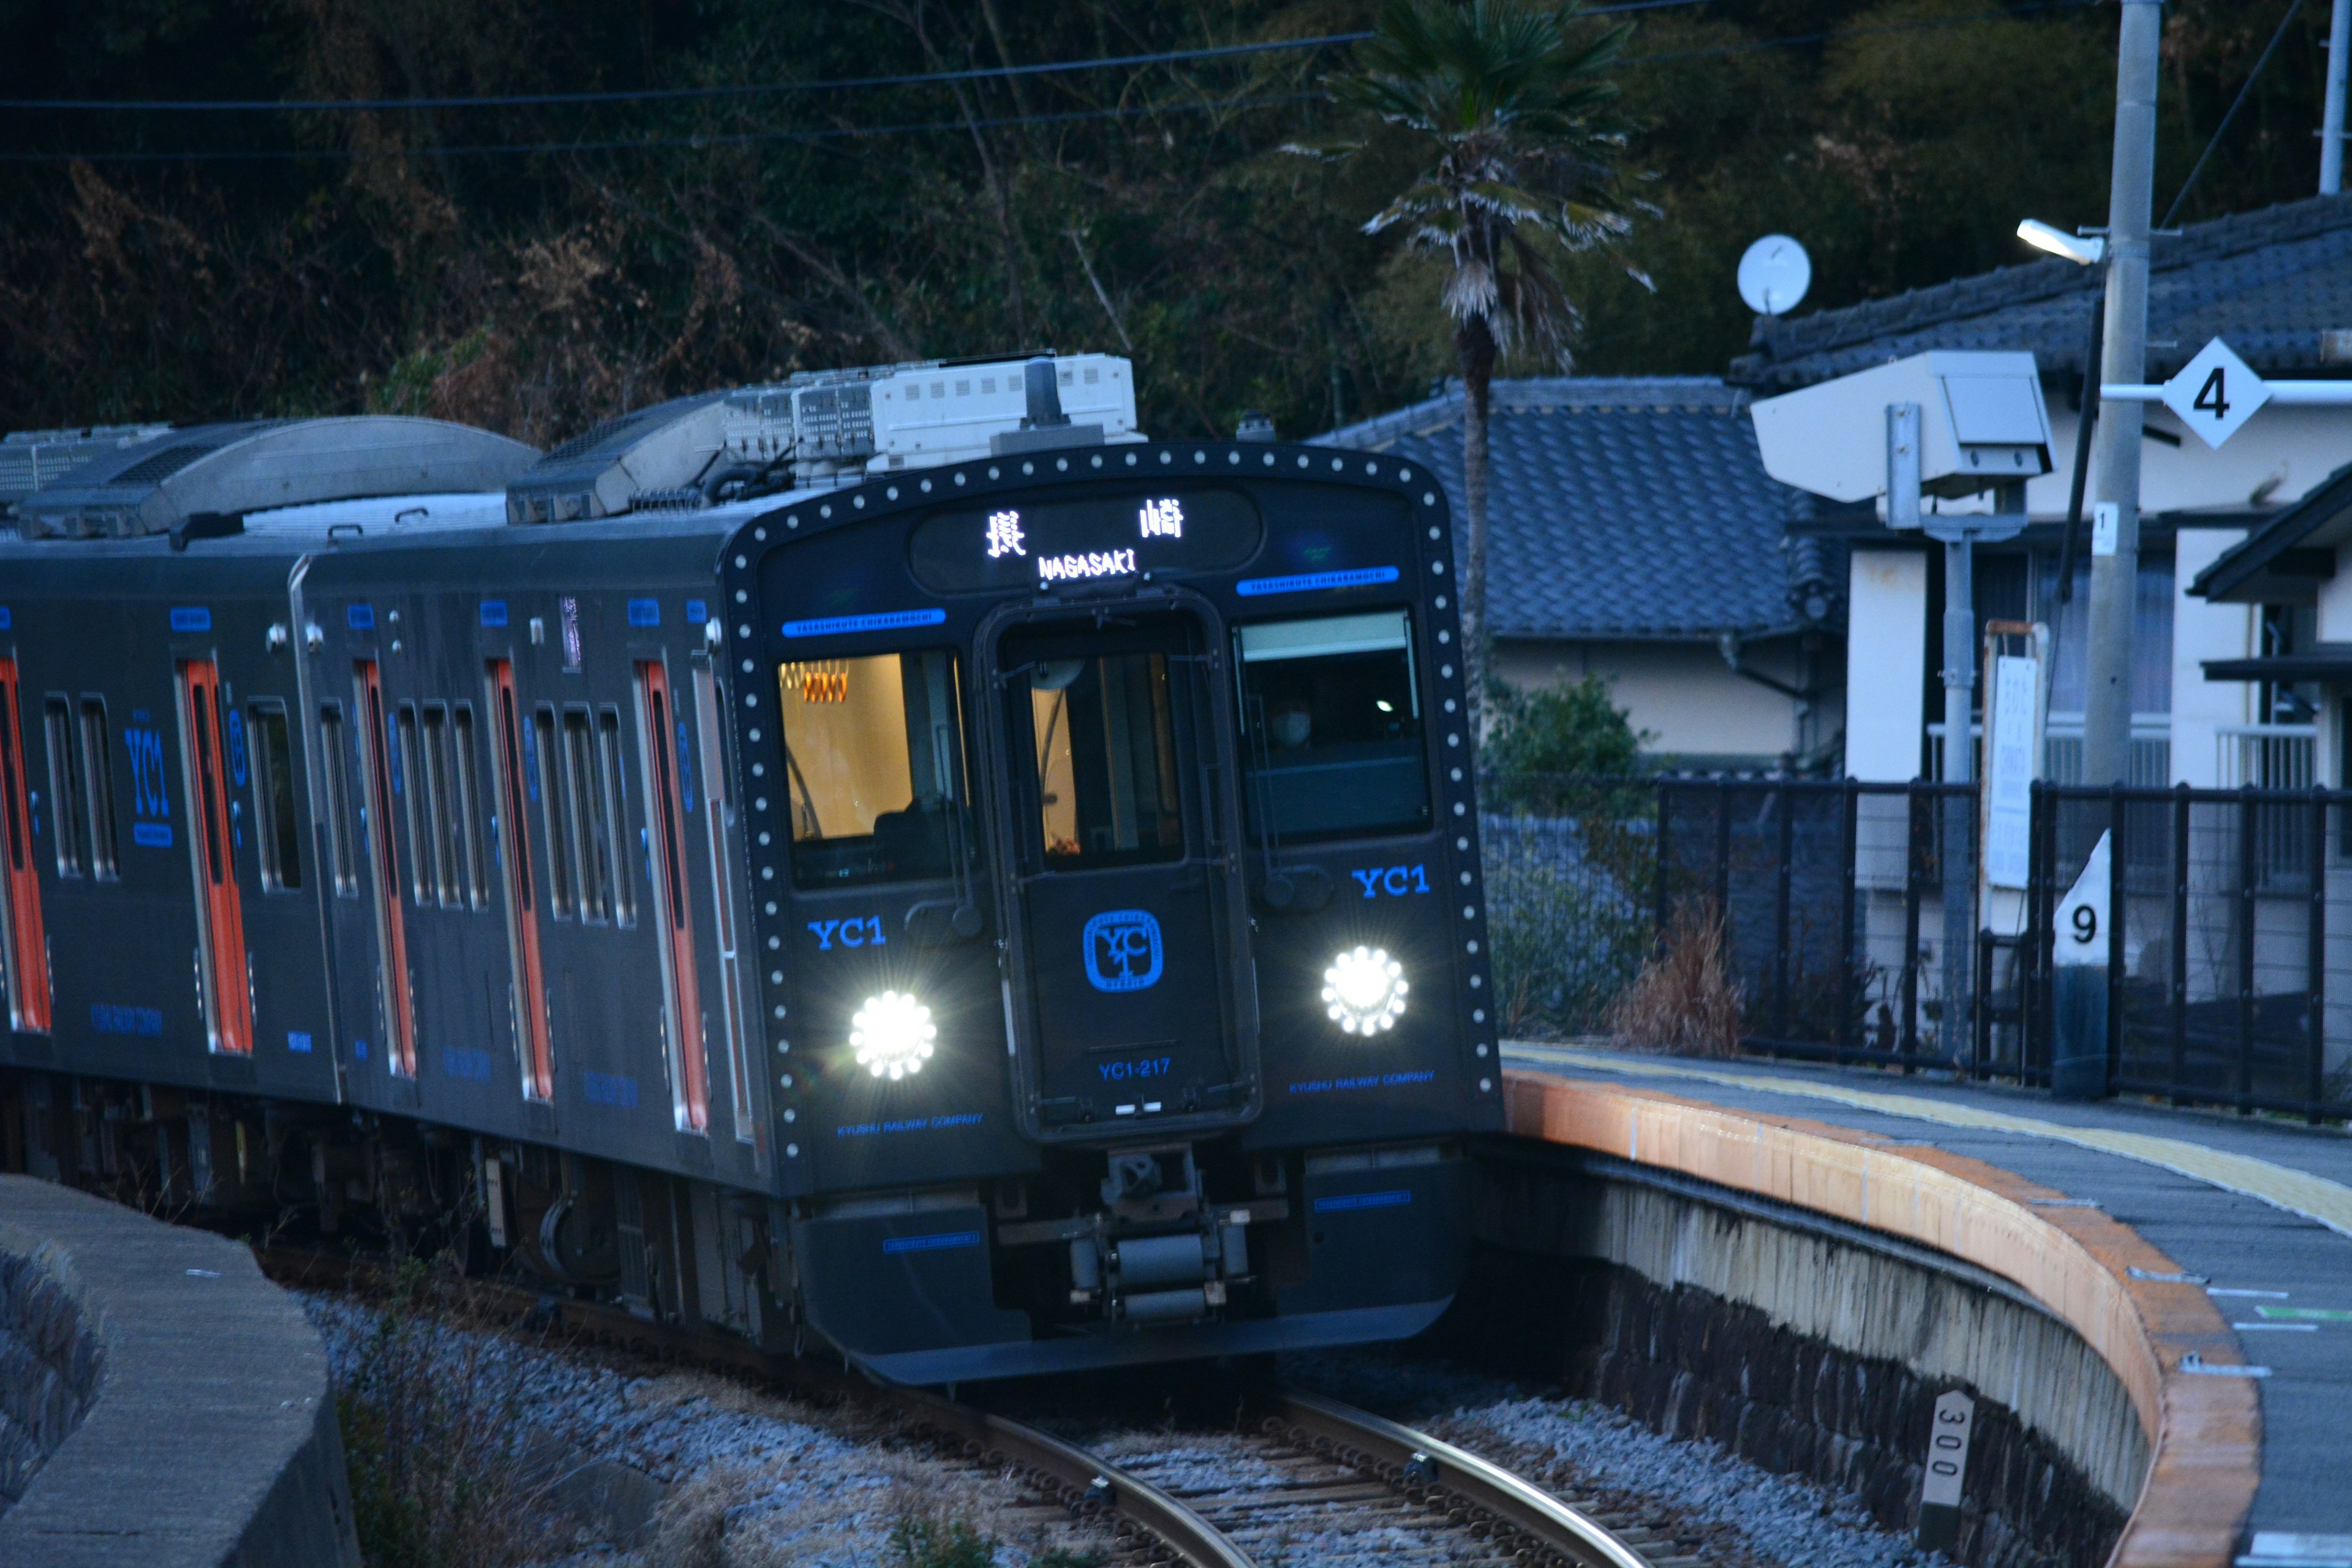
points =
(1774, 274)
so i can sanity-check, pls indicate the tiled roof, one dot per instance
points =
(2276, 283)
(1635, 508)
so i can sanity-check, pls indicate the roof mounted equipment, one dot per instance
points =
(154, 485)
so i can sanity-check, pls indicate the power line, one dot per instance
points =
(729, 138)
(693, 94)
(2292, 7)
(654, 144)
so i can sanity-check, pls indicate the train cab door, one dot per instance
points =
(1113, 805)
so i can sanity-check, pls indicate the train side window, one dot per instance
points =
(592, 843)
(1332, 728)
(611, 777)
(335, 800)
(548, 770)
(375, 727)
(98, 778)
(444, 808)
(873, 766)
(465, 806)
(69, 802)
(411, 780)
(277, 836)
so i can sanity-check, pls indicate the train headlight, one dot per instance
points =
(892, 1035)
(1364, 991)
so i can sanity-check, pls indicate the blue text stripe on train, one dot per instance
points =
(887, 621)
(939, 1243)
(1346, 1201)
(197, 619)
(1313, 582)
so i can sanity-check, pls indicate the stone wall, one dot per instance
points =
(1805, 1351)
(161, 1402)
(50, 1363)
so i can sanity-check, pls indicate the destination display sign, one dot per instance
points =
(1011, 546)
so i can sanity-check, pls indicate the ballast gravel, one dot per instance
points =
(750, 1480)
(1713, 1503)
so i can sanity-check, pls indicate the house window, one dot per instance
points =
(2288, 629)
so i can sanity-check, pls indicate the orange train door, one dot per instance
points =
(664, 739)
(522, 894)
(220, 915)
(24, 941)
(392, 936)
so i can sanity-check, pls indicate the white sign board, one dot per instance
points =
(2081, 930)
(2215, 393)
(1948, 1450)
(2009, 772)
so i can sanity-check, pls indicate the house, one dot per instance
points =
(2218, 698)
(1634, 534)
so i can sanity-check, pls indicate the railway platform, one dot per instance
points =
(2207, 1258)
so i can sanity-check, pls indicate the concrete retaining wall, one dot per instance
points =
(160, 1403)
(2151, 1328)
(1806, 1351)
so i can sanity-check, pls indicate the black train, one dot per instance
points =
(1004, 900)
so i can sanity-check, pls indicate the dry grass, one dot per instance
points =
(431, 1434)
(904, 1511)
(1684, 1001)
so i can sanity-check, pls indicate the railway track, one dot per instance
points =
(1316, 1469)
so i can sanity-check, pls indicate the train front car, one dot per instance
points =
(1113, 845)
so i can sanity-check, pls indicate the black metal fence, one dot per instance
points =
(1857, 930)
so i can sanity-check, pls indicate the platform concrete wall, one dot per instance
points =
(161, 1402)
(1812, 1351)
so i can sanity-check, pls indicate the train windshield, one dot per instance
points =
(1106, 760)
(1333, 721)
(874, 763)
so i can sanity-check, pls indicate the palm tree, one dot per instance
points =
(1502, 101)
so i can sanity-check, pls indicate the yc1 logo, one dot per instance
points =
(1122, 949)
(1396, 882)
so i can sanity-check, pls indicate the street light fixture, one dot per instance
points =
(2083, 250)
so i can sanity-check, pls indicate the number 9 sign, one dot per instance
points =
(2081, 933)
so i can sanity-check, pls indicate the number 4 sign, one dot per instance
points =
(2215, 393)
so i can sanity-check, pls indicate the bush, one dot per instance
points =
(1683, 1000)
(429, 1424)
(1566, 731)
(1567, 918)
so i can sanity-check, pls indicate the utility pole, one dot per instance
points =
(2115, 548)
(2331, 131)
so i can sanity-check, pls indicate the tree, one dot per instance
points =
(1570, 729)
(1502, 102)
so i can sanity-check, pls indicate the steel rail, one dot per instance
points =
(1083, 1481)
(1416, 1460)
(1090, 1478)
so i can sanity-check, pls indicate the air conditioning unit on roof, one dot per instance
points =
(819, 428)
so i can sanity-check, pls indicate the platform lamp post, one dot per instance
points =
(2115, 539)
(2078, 1044)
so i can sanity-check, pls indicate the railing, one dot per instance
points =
(1851, 925)
(2062, 749)
(2266, 757)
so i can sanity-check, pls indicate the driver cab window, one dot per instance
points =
(873, 768)
(1104, 730)
(1332, 716)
